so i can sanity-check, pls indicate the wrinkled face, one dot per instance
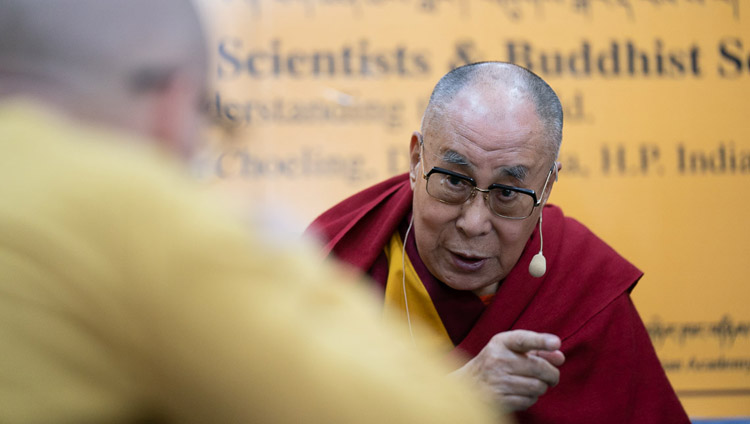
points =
(493, 140)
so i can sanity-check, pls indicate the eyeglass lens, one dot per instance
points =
(503, 201)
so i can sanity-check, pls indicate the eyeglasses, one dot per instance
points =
(503, 200)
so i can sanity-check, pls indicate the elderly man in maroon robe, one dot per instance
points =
(469, 255)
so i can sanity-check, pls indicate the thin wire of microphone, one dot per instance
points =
(403, 279)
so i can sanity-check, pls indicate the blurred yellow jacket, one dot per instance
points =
(127, 294)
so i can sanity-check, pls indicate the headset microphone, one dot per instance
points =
(538, 265)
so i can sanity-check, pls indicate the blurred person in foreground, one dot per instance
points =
(128, 296)
(489, 270)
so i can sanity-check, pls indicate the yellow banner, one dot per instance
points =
(316, 99)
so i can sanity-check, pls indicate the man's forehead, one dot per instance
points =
(490, 124)
(493, 128)
(453, 157)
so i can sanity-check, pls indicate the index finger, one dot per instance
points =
(522, 341)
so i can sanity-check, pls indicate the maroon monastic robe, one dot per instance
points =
(611, 373)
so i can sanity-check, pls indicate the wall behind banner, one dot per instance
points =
(316, 99)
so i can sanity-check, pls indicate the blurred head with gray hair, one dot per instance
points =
(136, 65)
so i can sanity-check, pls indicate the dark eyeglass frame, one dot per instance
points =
(486, 191)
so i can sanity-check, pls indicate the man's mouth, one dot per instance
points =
(467, 262)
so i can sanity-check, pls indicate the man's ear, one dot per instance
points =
(552, 180)
(414, 157)
(175, 120)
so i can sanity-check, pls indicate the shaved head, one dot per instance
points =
(136, 65)
(102, 45)
(486, 77)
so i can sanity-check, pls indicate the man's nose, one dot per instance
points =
(475, 216)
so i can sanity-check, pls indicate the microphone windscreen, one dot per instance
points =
(538, 265)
